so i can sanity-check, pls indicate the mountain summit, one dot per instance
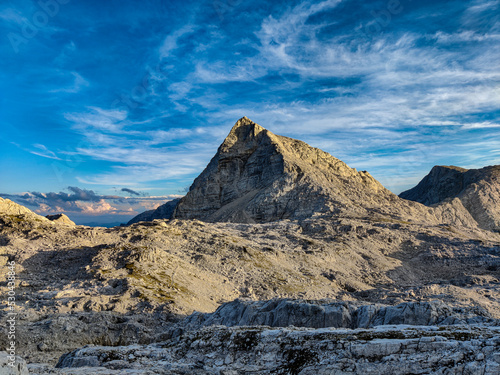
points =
(258, 176)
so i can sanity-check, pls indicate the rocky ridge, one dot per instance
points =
(61, 219)
(263, 350)
(14, 210)
(257, 176)
(477, 190)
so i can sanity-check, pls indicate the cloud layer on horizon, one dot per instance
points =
(83, 205)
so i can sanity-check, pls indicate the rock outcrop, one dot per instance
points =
(325, 314)
(61, 219)
(9, 367)
(262, 350)
(477, 190)
(14, 210)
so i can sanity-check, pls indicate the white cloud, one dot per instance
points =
(403, 81)
(98, 119)
(170, 43)
(78, 83)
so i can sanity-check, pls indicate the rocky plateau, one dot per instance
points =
(280, 259)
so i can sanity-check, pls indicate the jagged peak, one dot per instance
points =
(243, 130)
(243, 121)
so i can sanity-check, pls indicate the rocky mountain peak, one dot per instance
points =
(257, 176)
(245, 130)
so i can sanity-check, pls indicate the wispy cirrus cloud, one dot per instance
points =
(78, 83)
(141, 155)
(392, 87)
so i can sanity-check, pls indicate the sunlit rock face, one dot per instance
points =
(257, 176)
(477, 190)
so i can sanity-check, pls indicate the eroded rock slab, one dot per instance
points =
(263, 350)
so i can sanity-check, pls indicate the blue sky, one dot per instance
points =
(109, 108)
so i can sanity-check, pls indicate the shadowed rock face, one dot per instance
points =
(478, 190)
(257, 176)
(329, 313)
(165, 211)
(441, 183)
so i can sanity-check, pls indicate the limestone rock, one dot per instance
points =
(19, 368)
(14, 210)
(257, 176)
(263, 350)
(477, 190)
(325, 314)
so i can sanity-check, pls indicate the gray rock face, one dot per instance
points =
(19, 368)
(324, 314)
(478, 190)
(261, 350)
(442, 182)
(165, 211)
(257, 176)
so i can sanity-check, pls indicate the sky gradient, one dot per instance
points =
(109, 108)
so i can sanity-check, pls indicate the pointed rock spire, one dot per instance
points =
(244, 130)
(257, 176)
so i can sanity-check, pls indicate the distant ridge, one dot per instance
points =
(9, 208)
(165, 211)
(12, 210)
(478, 190)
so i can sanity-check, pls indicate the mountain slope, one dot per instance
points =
(9, 209)
(15, 214)
(477, 190)
(257, 176)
